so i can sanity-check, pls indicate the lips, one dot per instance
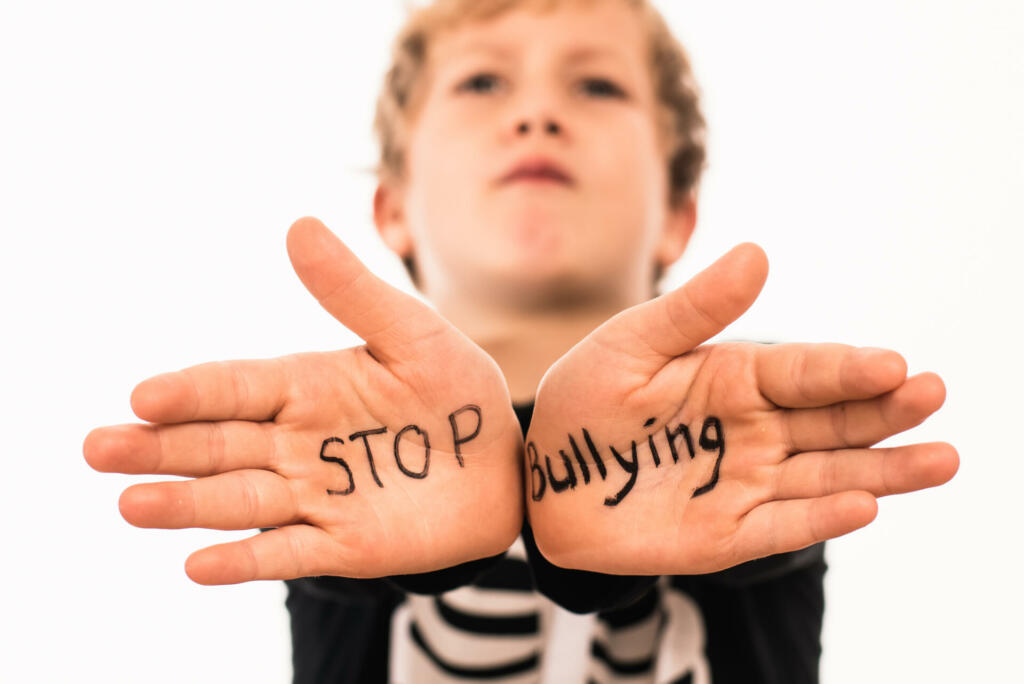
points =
(537, 169)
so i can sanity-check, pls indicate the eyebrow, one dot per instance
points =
(580, 53)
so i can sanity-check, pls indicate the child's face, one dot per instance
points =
(571, 86)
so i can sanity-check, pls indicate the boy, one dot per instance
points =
(539, 169)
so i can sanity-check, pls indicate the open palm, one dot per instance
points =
(394, 457)
(650, 453)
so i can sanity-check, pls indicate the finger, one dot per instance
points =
(386, 318)
(191, 450)
(283, 553)
(223, 390)
(239, 500)
(783, 526)
(678, 321)
(879, 471)
(807, 375)
(865, 422)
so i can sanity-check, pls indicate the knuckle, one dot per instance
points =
(186, 504)
(271, 447)
(840, 423)
(778, 478)
(214, 448)
(885, 474)
(799, 368)
(828, 475)
(297, 554)
(249, 504)
(249, 548)
(163, 448)
(705, 316)
(239, 389)
(195, 396)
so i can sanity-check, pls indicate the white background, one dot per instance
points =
(152, 156)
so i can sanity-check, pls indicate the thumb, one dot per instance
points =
(384, 317)
(678, 321)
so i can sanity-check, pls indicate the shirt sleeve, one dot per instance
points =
(437, 582)
(768, 568)
(447, 579)
(579, 591)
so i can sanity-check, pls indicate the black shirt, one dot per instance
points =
(762, 620)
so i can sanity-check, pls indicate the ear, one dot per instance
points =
(679, 224)
(389, 217)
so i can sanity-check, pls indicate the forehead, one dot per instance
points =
(571, 32)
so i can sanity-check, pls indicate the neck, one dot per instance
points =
(526, 342)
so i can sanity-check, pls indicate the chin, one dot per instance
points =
(542, 284)
(539, 230)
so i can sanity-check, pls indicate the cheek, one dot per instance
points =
(440, 162)
(629, 170)
(443, 208)
(626, 149)
(439, 156)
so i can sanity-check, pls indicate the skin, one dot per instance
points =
(527, 269)
(251, 433)
(796, 419)
(530, 280)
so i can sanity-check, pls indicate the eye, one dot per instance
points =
(480, 83)
(602, 87)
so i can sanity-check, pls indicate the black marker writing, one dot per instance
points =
(594, 453)
(340, 461)
(579, 459)
(712, 438)
(363, 434)
(630, 467)
(584, 470)
(569, 482)
(671, 435)
(419, 475)
(650, 443)
(536, 493)
(459, 441)
(460, 437)
(708, 444)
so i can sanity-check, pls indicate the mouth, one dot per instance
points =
(537, 170)
(542, 178)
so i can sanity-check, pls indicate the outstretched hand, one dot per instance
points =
(651, 454)
(394, 457)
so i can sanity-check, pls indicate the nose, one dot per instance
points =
(548, 126)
